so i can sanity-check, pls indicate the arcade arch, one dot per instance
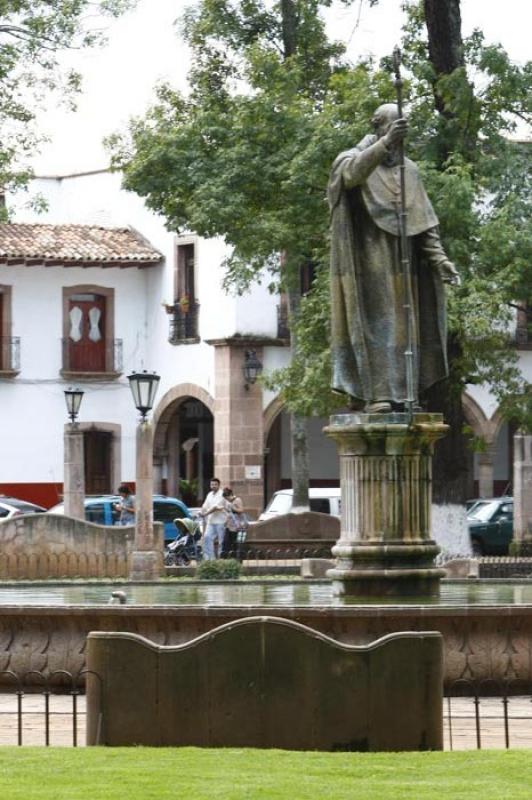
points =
(492, 468)
(183, 447)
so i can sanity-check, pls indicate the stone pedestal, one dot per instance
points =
(385, 546)
(523, 492)
(74, 472)
(146, 558)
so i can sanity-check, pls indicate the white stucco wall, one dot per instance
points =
(31, 426)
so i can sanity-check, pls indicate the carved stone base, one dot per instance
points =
(146, 565)
(377, 570)
(385, 547)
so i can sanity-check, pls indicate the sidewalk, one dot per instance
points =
(462, 731)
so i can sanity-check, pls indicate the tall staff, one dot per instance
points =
(405, 261)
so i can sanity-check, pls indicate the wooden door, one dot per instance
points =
(86, 339)
(97, 445)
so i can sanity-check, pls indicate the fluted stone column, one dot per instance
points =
(74, 472)
(147, 557)
(385, 546)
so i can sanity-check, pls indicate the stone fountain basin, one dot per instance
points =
(486, 624)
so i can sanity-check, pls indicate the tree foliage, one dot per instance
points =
(246, 155)
(32, 33)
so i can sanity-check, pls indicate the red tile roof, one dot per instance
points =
(74, 245)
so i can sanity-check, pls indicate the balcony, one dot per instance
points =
(9, 355)
(184, 323)
(92, 360)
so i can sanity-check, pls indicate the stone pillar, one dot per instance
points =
(238, 425)
(485, 472)
(385, 546)
(74, 472)
(522, 481)
(147, 556)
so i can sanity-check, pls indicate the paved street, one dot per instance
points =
(462, 732)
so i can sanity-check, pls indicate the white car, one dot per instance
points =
(12, 507)
(326, 501)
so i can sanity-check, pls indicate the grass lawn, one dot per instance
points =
(30, 773)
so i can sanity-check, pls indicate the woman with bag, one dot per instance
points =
(235, 524)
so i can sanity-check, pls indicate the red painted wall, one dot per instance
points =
(44, 494)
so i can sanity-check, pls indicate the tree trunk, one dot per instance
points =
(289, 27)
(446, 54)
(452, 467)
(299, 444)
(446, 50)
(300, 471)
(453, 459)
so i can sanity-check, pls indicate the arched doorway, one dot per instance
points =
(184, 446)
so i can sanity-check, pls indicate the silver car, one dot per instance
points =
(12, 507)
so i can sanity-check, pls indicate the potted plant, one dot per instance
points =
(184, 303)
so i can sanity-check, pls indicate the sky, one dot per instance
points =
(144, 48)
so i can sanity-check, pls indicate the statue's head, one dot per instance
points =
(383, 117)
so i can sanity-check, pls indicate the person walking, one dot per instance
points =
(126, 506)
(235, 523)
(214, 512)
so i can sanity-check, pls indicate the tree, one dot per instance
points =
(247, 154)
(477, 93)
(242, 157)
(32, 33)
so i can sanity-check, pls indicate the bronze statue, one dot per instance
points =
(370, 331)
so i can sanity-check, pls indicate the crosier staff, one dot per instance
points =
(403, 249)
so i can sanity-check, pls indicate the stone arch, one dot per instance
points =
(169, 402)
(475, 416)
(496, 422)
(270, 414)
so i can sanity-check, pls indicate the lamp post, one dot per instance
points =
(147, 555)
(251, 368)
(74, 466)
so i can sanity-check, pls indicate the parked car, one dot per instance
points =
(326, 501)
(100, 509)
(491, 524)
(12, 507)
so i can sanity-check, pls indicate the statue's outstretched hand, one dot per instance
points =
(449, 273)
(396, 132)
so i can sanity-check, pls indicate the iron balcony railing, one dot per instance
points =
(184, 322)
(9, 353)
(87, 356)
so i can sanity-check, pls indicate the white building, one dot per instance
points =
(87, 305)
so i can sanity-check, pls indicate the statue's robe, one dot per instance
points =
(369, 328)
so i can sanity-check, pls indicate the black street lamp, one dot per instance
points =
(143, 387)
(251, 368)
(73, 398)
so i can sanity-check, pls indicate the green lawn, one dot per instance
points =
(32, 773)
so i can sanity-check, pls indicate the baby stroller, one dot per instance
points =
(185, 547)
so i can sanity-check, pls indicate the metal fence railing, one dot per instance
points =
(487, 713)
(86, 357)
(40, 709)
(505, 567)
